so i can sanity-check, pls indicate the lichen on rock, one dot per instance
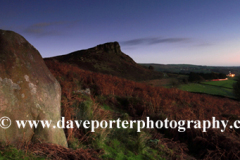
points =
(28, 91)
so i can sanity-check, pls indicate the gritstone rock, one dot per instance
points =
(28, 91)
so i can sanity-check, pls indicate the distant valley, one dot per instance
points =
(187, 68)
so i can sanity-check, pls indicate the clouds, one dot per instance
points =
(153, 40)
(41, 29)
(183, 42)
(49, 28)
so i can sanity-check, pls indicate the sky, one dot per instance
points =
(201, 32)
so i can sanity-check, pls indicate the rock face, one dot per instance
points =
(113, 47)
(28, 91)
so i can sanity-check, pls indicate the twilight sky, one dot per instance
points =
(202, 32)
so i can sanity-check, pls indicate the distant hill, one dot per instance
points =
(187, 68)
(108, 59)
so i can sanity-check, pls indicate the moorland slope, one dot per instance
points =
(108, 59)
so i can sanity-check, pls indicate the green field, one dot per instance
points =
(220, 88)
(226, 84)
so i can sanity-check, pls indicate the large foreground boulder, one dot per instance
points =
(28, 91)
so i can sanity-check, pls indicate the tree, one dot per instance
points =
(222, 76)
(195, 77)
(236, 88)
(151, 68)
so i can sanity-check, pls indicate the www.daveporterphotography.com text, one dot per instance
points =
(181, 125)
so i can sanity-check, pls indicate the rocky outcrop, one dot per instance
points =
(28, 91)
(83, 91)
(113, 47)
(108, 58)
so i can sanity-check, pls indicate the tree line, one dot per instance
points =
(197, 77)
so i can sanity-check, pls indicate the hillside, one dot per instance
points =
(108, 59)
(113, 97)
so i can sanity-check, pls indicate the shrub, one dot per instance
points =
(236, 88)
(10, 152)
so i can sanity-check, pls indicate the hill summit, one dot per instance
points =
(108, 59)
